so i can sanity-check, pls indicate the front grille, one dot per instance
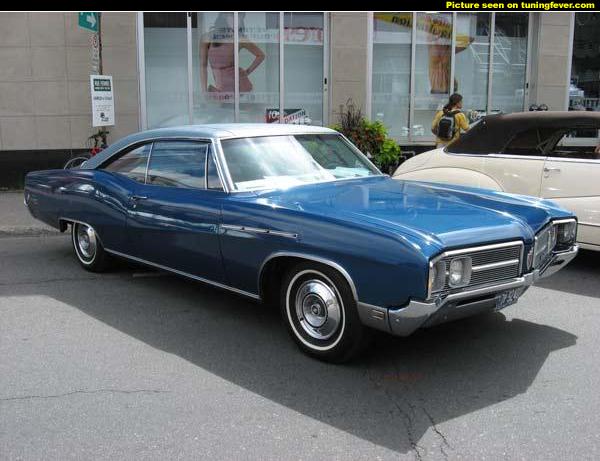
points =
(504, 264)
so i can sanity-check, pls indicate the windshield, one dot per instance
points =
(271, 162)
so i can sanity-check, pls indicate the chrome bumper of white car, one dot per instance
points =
(416, 314)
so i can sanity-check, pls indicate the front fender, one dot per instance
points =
(447, 175)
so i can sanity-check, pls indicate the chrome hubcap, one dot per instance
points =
(318, 309)
(86, 241)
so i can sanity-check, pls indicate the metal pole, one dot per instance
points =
(103, 133)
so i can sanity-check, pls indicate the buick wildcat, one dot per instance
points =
(297, 216)
(552, 155)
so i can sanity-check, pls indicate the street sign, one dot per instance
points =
(103, 101)
(88, 20)
(95, 53)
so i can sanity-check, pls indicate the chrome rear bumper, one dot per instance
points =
(405, 320)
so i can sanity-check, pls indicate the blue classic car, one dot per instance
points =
(297, 216)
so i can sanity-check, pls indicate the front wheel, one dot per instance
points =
(320, 312)
(88, 248)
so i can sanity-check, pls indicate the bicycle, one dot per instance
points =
(99, 144)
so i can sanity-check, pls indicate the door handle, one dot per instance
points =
(135, 198)
(549, 169)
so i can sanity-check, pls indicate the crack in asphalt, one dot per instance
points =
(82, 391)
(407, 419)
(439, 433)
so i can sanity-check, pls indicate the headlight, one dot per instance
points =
(558, 235)
(437, 276)
(459, 273)
(566, 232)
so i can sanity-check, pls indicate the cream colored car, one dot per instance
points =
(529, 153)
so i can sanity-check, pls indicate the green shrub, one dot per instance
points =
(369, 136)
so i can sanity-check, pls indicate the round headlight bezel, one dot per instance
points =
(462, 268)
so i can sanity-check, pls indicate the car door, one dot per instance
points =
(572, 179)
(100, 197)
(518, 168)
(174, 216)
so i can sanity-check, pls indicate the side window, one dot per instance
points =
(212, 176)
(566, 148)
(178, 164)
(132, 163)
(532, 142)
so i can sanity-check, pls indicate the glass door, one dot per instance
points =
(213, 67)
(303, 68)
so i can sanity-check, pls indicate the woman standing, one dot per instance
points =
(449, 122)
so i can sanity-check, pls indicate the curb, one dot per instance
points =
(27, 231)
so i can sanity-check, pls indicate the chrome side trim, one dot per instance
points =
(258, 230)
(484, 267)
(318, 259)
(185, 274)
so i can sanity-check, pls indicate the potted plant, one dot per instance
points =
(369, 136)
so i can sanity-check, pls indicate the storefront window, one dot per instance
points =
(165, 52)
(303, 68)
(259, 65)
(584, 90)
(432, 69)
(392, 37)
(210, 92)
(510, 62)
(213, 67)
(471, 68)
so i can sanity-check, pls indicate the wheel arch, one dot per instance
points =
(274, 267)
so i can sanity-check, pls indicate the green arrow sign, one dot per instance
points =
(88, 20)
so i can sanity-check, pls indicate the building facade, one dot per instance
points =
(286, 67)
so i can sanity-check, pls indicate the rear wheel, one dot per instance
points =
(75, 162)
(88, 248)
(320, 311)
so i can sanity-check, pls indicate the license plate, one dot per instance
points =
(506, 298)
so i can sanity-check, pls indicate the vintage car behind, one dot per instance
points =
(532, 153)
(297, 216)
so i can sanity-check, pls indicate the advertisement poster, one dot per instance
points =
(103, 101)
(294, 116)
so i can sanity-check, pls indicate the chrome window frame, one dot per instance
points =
(151, 140)
(232, 188)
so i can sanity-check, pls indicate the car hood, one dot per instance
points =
(438, 215)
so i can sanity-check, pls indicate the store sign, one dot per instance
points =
(88, 20)
(294, 116)
(291, 35)
(103, 102)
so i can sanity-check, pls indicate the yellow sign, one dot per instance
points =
(432, 24)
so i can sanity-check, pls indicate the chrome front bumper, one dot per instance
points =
(405, 320)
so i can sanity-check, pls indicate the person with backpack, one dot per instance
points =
(449, 122)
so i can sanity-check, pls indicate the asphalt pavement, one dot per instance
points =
(137, 364)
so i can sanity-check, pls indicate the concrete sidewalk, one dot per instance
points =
(15, 219)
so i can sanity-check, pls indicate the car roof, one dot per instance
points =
(493, 132)
(210, 131)
(232, 130)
